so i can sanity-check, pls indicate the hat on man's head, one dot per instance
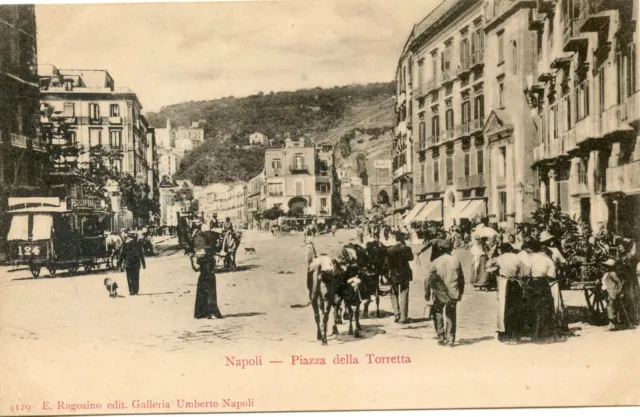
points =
(545, 236)
(610, 262)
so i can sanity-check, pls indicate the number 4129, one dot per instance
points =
(19, 407)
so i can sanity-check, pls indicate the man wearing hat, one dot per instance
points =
(443, 289)
(131, 258)
(400, 275)
(547, 240)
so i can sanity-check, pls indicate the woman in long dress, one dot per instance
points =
(540, 307)
(479, 278)
(206, 293)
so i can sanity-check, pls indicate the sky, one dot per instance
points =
(175, 52)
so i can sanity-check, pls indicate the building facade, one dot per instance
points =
(258, 138)
(222, 201)
(584, 93)
(256, 200)
(300, 177)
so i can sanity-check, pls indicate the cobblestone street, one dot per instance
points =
(261, 302)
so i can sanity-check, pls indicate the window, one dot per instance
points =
(94, 112)
(631, 70)
(298, 161)
(464, 53)
(422, 131)
(410, 71)
(436, 171)
(480, 161)
(446, 58)
(501, 94)
(115, 139)
(114, 110)
(582, 100)
(434, 66)
(276, 164)
(466, 112)
(567, 111)
(503, 206)
(478, 108)
(449, 119)
(553, 115)
(95, 137)
(435, 128)
(466, 164)
(422, 175)
(477, 45)
(323, 203)
(514, 57)
(274, 189)
(71, 137)
(500, 48)
(449, 168)
(502, 164)
(69, 110)
(621, 71)
(421, 73)
(601, 90)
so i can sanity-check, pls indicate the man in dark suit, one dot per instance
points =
(131, 258)
(400, 275)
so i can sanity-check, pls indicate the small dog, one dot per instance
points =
(112, 287)
(250, 250)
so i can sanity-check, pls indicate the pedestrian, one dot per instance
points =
(131, 258)
(443, 289)
(206, 305)
(613, 284)
(510, 297)
(400, 275)
(540, 310)
(549, 242)
(628, 265)
(438, 245)
(360, 235)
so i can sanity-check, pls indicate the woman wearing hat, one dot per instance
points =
(540, 312)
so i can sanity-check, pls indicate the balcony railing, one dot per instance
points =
(433, 140)
(463, 130)
(19, 141)
(624, 177)
(115, 120)
(574, 40)
(433, 84)
(614, 119)
(465, 65)
(475, 126)
(591, 17)
(477, 59)
(633, 107)
(471, 181)
(299, 168)
(446, 77)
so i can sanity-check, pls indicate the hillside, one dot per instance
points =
(323, 115)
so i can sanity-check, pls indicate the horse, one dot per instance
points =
(230, 245)
(376, 268)
(113, 242)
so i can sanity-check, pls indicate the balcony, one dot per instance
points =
(39, 145)
(587, 128)
(471, 181)
(633, 107)
(433, 85)
(298, 169)
(116, 120)
(475, 126)
(570, 144)
(446, 77)
(593, 14)
(465, 67)
(574, 40)
(536, 20)
(614, 120)
(463, 130)
(95, 121)
(19, 141)
(501, 181)
(433, 140)
(446, 135)
(624, 178)
(477, 60)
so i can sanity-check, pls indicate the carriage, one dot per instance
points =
(58, 234)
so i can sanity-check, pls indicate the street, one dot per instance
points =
(67, 328)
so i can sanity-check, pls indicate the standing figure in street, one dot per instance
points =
(510, 302)
(400, 275)
(438, 245)
(206, 293)
(131, 258)
(360, 235)
(549, 242)
(227, 226)
(443, 289)
(540, 310)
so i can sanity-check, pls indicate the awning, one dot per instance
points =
(474, 208)
(431, 212)
(456, 212)
(414, 211)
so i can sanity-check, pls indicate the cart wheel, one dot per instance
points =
(73, 269)
(194, 263)
(52, 270)
(88, 267)
(597, 303)
(35, 271)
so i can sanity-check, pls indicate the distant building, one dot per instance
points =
(380, 183)
(255, 200)
(223, 200)
(258, 138)
(171, 201)
(188, 137)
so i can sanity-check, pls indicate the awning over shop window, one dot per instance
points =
(474, 208)
(456, 211)
(414, 211)
(431, 212)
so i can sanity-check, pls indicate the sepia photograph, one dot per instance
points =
(319, 205)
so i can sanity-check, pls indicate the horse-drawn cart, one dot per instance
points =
(58, 234)
(596, 299)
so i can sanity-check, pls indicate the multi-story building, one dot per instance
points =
(176, 197)
(402, 149)
(258, 138)
(584, 94)
(448, 90)
(97, 116)
(295, 179)
(222, 201)
(23, 156)
(188, 138)
(380, 182)
(209, 198)
(256, 199)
